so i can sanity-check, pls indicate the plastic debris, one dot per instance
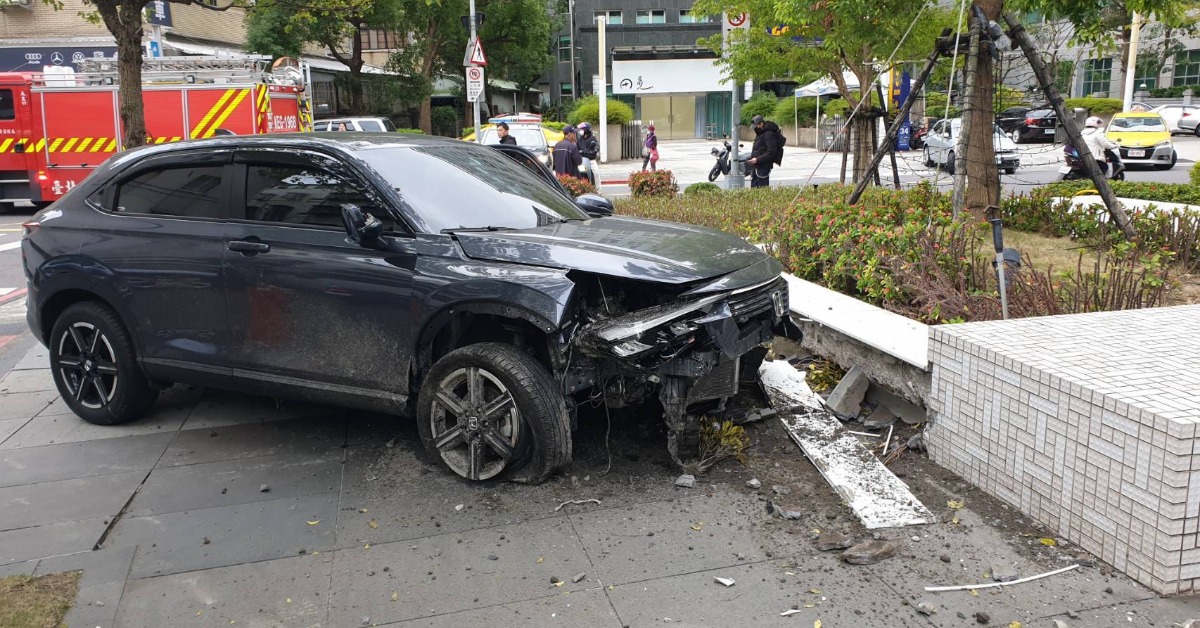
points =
(373, 523)
(790, 611)
(1048, 542)
(967, 587)
(579, 576)
(725, 581)
(459, 508)
(576, 501)
(956, 504)
(313, 523)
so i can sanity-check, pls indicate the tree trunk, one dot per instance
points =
(983, 177)
(124, 21)
(1126, 63)
(356, 66)
(425, 112)
(863, 148)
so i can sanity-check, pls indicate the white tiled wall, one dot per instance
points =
(1086, 423)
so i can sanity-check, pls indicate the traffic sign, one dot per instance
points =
(474, 83)
(737, 21)
(475, 54)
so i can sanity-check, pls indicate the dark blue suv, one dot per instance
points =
(451, 282)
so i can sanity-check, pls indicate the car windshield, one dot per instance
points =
(530, 138)
(469, 187)
(1147, 124)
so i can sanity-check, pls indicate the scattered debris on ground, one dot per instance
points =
(870, 552)
(686, 480)
(829, 541)
(725, 581)
(846, 399)
(576, 502)
(754, 484)
(988, 585)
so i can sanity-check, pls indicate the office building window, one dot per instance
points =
(686, 17)
(377, 39)
(1097, 76)
(652, 16)
(614, 17)
(1146, 75)
(1187, 68)
(564, 48)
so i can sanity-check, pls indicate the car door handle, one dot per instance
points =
(248, 247)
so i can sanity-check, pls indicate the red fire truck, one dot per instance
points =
(55, 128)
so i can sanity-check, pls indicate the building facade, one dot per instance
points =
(658, 41)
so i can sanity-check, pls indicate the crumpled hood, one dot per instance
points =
(633, 248)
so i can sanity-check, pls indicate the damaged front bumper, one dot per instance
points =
(689, 351)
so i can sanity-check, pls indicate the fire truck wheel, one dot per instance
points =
(95, 367)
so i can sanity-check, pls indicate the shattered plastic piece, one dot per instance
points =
(373, 523)
(817, 624)
(790, 611)
(459, 508)
(698, 526)
(956, 504)
(576, 501)
(395, 596)
(725, 581)
(579, 576)
(925, 608)
(989, 585)
(313, 523)
(1048, 542)
(815, 591)
(541, 559)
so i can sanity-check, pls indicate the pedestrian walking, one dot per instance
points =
(502, 133)
(650, 149)
(567, 159)
(589, 150)
(766, 152)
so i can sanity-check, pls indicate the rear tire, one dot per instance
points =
(95, 367)
(950, 162)
(516, 425)
(1196, 131)
(1010, 171)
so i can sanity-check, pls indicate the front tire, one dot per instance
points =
(1010, 171)
(714, 173)
(95, 366)
(929, 162)
(1174, 160)
(488, 409)
(1015, 135)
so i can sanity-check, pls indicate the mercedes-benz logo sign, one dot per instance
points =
(56, 58)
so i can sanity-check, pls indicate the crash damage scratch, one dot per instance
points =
(877, 496)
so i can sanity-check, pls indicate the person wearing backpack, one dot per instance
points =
(650, 149)
(766, 153)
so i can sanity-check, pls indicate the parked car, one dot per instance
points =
(529, 136)
(942, 141)
(1023, 124)
(406, 274)
(1176, 115)
(1144, 139)
(1190, 124)
(367, 125)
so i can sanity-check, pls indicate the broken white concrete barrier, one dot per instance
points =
(877, 496)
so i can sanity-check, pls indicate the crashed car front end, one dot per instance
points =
(690, 350)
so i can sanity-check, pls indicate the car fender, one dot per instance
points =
(81, 273)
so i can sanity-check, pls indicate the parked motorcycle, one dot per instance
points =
(917, 141)
(1074, 167)
(723, 163)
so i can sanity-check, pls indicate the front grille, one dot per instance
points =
(749, 304)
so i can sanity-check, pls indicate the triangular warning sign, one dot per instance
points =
(477, 57)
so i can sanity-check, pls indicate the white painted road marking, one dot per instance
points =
(13, 311)
(10, 246)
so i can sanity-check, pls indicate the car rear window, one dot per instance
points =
(191, 192)
(469, 186)
(372, 126)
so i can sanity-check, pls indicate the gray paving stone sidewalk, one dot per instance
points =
(228, 510)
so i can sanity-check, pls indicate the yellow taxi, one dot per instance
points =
(1144, 139)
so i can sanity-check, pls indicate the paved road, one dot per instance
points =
(14, 335)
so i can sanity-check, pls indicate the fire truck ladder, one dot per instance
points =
(180, 69)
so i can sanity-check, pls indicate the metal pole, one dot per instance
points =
(964, 129)
(1018, 34)
(736, 177)
(993, 216)
(475, 105)
(1135, 37)
(571, 25)
(601, 38)
(900, 117)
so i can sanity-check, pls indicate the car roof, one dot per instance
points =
(350, 118)
(344, 141)
(1137, 114)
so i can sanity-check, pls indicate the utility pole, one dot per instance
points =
(1022, 38)
(571, 25)
(964, 131)
(474, 42)
(1135, 37)
(602, 45)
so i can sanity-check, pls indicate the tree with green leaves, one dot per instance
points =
(434, 46)
(514, 37)
(124, 20)
(283, 26)
(837, 35)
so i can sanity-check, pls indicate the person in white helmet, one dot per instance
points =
(1101, 147)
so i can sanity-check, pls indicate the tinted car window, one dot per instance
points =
(470, 187)
(298, 194)
(192, 192)
(388, 126)
(8, 109)
(370, 125)
(531, 138)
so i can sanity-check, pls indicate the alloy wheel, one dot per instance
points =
(475, 423)
(88, 365)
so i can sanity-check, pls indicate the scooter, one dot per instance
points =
(1074, 167)
(917, 141)
(723, 164)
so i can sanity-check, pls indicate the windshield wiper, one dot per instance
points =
(471, 229)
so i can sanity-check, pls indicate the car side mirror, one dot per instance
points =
(362, 227)
(595, 205)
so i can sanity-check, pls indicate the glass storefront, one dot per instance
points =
(685, 116)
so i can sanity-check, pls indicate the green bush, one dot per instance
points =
(555, 126)
(587, 109)
(1146, 191)
(935, 106)
(653, 183)
(410, 131)
(704, 187)
(1195, 174)
(760, 104)
(790, 111)
(1173, 92)
(444, 120)
(576, 186)
(1008, 97)
(1096, 106)
(836, 107)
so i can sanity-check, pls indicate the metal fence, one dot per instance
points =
(632, 136)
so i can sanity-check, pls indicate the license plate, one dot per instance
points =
(1137, 153)
(1048, 131)
(1064, 170)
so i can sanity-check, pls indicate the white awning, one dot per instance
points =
(825, 86)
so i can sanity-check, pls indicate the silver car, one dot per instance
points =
(942, 141)
(1179, 118)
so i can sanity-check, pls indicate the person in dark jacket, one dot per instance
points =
(566, 155)
(650, 149)
(502, 132)
(765, 152)
(589, 149)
